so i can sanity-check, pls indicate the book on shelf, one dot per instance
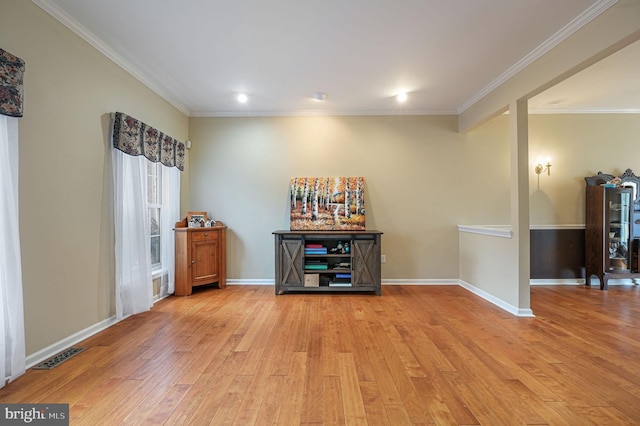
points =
(345, 276)
(315, 251)
(340, 282)
(346, 266)
(310, 264)
(310, 245)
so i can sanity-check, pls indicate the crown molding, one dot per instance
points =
(580, 21)
(315, 113)
(541, 111)
(68, 21)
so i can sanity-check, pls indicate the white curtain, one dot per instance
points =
(168, 217)
(134, 289)
(12, 343)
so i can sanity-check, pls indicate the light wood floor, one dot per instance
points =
(416, 355)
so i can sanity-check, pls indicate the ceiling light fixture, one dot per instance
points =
(320, 96)
(242, 98)
(401, 97)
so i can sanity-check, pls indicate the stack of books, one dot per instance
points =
(342, 265)
(315, 249)
(341, 280)
(316, 264)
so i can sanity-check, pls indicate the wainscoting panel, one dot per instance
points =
(557, 252)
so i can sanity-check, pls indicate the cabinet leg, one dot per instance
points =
(602, 280)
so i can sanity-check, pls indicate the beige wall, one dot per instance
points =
(65, 183)
(493, 275)
(422, 178)
(579, 145)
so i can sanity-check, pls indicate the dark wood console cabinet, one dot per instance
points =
(200, 257)
(328, 261)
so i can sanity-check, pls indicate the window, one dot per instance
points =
(146, 207)
(154, 204)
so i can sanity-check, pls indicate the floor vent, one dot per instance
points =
(58, 359)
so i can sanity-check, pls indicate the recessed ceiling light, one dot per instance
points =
(320, 96)
(556, 102)
(401, 97)
(242, 98)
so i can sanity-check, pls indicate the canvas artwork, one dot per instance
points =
(327, 203)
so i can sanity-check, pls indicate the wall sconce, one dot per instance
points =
(541, 169)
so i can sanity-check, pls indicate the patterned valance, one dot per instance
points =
(11, 84)
(133, 137)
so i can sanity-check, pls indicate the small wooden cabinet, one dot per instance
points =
(327, 261)
(200, 257)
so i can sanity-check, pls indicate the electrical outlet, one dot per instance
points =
(383, 258)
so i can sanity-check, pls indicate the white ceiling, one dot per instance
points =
(447, 54)
(611, 85)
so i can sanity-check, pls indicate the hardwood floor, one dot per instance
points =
(416, 355)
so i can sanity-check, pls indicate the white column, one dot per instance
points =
(519, 157)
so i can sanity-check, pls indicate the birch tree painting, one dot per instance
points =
(327, 203)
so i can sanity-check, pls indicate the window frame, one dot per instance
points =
(154, 174)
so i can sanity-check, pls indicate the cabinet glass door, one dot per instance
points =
(619, 229)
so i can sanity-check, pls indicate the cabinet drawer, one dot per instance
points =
(204, 236)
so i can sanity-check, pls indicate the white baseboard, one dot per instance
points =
(447, 281)
(496, 301)
(443, 281)
(65, 343)
(269, 281)
(557, 281)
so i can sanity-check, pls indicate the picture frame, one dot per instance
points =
(200, 217)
